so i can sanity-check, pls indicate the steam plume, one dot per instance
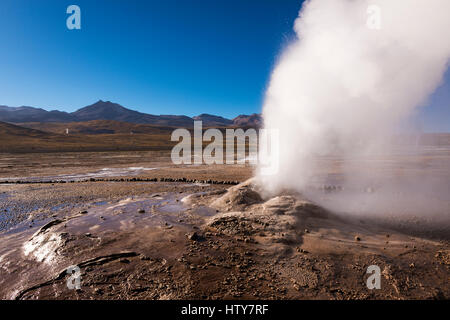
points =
(346, 85)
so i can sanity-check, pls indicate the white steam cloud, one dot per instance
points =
(357, 70)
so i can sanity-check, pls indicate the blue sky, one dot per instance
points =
(160, 57)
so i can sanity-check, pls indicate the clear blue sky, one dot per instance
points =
(155, 56)
(160, 57)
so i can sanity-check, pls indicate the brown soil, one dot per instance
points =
(184, 240)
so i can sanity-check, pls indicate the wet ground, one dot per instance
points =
(179, 240)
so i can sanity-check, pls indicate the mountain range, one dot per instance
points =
(106, 110)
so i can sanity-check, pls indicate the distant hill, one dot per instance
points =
(253, 120)
(102, 110)
(15, 138)
(18, 139)
(211, 120)
(107, 110)
(97, 127)
(30, 114)
(7, 130)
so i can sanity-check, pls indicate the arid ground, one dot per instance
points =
(139, 227)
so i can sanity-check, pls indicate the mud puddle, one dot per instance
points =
(144, 212)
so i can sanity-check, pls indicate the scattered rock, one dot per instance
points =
(443, 256)
(193, 236)
(98, 291)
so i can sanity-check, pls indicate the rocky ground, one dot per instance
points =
(141, 228)
(178, 240)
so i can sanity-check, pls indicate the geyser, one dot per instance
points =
(346, 84)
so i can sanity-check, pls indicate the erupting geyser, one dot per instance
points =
(355, 73)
